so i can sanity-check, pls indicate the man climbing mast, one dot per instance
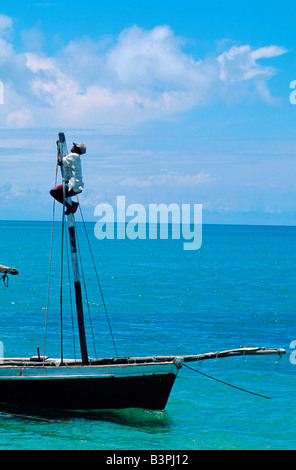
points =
(72, 184)
(71, 164)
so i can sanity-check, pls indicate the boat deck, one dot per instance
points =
(36, 361)
(45, 361)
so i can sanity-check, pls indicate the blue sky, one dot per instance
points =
(177, 101)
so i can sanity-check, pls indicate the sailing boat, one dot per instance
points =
(117, 382)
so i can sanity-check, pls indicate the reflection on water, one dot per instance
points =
(148, 420)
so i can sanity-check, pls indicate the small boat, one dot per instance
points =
(117, 382)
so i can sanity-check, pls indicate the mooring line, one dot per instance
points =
(35, 418)
(226, 383)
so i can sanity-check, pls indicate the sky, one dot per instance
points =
(177, 101)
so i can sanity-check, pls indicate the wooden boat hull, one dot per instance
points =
(89, 387)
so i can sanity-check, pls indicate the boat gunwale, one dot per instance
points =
(23, 363)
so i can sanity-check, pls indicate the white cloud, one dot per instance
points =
(144, 75)
(239, 66)
(267, 52)
(149, 59)
(20, 118)
(135, 183)
(171, 179)
(36, 63)
(240, 63)
(5, 22)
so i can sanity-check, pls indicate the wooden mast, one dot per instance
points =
(75, 266)
(77, 287)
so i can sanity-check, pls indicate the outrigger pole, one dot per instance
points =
(75, 265)
(7, 270)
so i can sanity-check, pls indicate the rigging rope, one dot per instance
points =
(61, 270)
(70, 296)
(5, 278)
(226, 383)
(50, 260)
(98, 281)
(84, 285)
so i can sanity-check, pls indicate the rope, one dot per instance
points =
(70, 296)
(61, 268)
(35, 418)
(84, 285)
(226, 383)
(50, 259)
(62, 251)
(5, 278)
(98, 281)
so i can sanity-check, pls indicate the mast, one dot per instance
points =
(77, 284)
(77, 288)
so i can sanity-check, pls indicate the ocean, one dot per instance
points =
(237, 290)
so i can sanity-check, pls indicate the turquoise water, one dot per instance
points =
(238, 289)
